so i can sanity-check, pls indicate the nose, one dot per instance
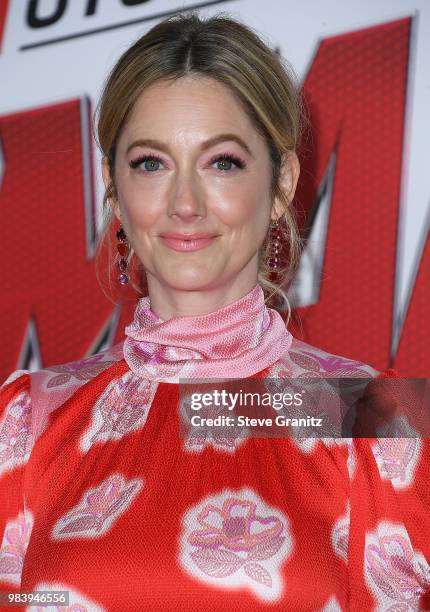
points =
(187, 198)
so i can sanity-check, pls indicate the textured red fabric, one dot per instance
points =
(101, 496)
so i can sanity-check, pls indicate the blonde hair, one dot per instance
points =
(234, 55)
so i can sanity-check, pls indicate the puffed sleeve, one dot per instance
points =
(16, 441)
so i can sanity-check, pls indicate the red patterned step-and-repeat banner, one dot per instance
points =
(357, 85)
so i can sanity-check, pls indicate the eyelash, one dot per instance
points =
(223, 157)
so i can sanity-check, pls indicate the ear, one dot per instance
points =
(289, 175)
(107, 181)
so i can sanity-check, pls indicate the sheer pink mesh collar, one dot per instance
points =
(235, 341)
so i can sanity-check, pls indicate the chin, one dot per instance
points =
(192, 281)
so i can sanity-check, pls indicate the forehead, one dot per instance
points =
(190, 105)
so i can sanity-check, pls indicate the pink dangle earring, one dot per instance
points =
(123, 250)
(274, 247)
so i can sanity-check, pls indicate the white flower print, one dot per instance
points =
(396, 573)
(234, 539)
(14, 546)
(340, 534)
(16, 439)
(123, 407)
(397, 459)
(94, 515)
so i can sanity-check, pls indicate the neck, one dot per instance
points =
(167, 303)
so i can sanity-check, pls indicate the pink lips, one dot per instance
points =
(187, 242)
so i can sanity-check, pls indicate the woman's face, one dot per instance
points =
(207, 171)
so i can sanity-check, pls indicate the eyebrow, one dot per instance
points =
(161, 146)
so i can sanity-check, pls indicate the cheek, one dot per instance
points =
(140, 209)
(251, 211)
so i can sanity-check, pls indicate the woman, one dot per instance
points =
(101, 494)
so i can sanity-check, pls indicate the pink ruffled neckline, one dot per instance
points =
(235, 341)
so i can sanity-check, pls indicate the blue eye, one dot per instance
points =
(229, 159)
(154, 159)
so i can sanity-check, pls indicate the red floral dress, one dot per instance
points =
(101, 496)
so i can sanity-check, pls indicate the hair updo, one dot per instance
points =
(265, 85)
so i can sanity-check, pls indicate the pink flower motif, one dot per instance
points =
(15, 433)
(15, 542)
(235, 526)
(394, 569)
(340, 535)
(83, 363)
(98, 509)
(242, 542)
(153, 353)
(82, 369)
(326, 366)
(18, 536)
(333, 363)
(123, 407)
(397, 458)
(105, 495)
